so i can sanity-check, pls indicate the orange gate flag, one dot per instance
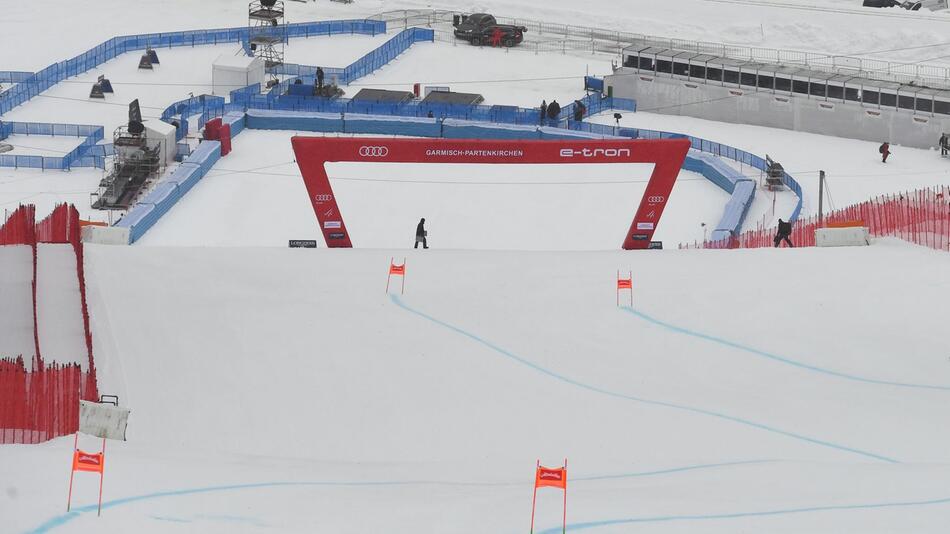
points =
(551, 477)
(88, 461)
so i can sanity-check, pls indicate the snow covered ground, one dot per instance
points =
(284, 390)
(258, 199)
(515, 77)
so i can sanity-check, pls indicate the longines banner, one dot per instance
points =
(313, 153)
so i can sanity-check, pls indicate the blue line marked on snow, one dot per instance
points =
(61, 520)
(682, 407)
(776, 357)
(669, 470)
(734, 515)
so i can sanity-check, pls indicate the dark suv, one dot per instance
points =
(482, 28)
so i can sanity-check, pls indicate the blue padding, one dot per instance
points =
(135, 216)
(164, 192)
(300, 89)
(737, 208)
(206, 155)
(386, 125)
(185, 177)
(462, 129)
(714, 169)
(234, 119)
(294, 120)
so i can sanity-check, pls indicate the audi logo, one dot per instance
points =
(656, 199)
(374, 151)
(322, 198)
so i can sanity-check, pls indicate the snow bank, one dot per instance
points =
(16, 312)
(59, 306)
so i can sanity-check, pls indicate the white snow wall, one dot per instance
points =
(17, 337)
(59, 306)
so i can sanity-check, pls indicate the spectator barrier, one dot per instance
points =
(921, 217)
(77, 157)
(166, 193)
(43, 403)
(721, 175)
(38, 82)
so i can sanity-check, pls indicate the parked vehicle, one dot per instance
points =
(482, 29)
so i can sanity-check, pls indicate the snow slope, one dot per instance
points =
(16, 313)
(285, 390)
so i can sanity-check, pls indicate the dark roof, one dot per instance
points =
(448, 97)
(382, 95)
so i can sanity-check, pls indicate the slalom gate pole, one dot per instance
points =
(402, 290)
(630, 274)
(389, 274)
(564, 528)
(618, 288)
(534, 499)
(72, 472)
(102, 475)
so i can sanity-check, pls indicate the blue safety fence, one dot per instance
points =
(169, 190)
(38, 82)
(706, 146)
(77, 157)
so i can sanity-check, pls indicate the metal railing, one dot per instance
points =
(550, 37)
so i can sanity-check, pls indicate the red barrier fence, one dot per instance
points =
(921, 217)
(39, 405)
(43, 403)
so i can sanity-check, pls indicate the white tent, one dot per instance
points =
(161, 134)
(230, 72)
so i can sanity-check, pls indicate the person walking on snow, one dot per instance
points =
(544, 110)
(421, 234)
(784, 231)
(554, 110)
(944, 144)
(885, 151)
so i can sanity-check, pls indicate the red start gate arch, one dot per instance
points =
(313, 153)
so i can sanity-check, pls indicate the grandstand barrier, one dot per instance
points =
(41, 402)
(77, 157)
(921, 217)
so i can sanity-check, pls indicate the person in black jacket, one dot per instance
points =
(579, 110)
(944, 144)
(544, 110)
(554, 109)
(784, 231)
(421, 234)
(320, 80)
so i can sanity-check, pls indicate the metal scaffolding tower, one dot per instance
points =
(266, 31)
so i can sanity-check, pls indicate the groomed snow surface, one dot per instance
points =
(278, 390)
(282, 390)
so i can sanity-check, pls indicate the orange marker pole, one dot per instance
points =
(534, 499)
(564, 529)
(72, 472)
(630, 274)
(102, 475)
(389, 275)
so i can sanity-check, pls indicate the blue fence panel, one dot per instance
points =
(384, 125)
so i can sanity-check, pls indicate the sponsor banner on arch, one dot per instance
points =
(313, 153)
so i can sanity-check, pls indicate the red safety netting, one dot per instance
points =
(921, 217)
(43, 403)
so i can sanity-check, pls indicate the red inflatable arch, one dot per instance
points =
(313, 152)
